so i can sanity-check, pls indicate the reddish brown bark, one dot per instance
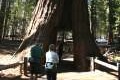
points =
(49, 17)
(43, 24)
(84, 44)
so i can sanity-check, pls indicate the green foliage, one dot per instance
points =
(101, 15)
(20, 15)
(115, 15)
(107, 13)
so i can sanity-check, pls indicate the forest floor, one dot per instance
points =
(66, 70)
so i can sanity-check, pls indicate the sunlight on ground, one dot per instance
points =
(8, 59)
(96, 75)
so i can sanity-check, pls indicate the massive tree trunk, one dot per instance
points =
(49, 15)
(84, 44)
(43, 24)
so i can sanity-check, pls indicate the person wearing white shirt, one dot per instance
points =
(52, 60)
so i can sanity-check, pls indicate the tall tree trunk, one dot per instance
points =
(7, 12)
(84, 44)
(93, 17)
(2, 16)
(111, 21)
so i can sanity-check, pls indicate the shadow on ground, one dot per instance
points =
(66, 66)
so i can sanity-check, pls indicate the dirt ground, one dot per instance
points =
(65, 71)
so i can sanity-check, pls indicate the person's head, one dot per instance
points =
(52, 47)
(38, 44)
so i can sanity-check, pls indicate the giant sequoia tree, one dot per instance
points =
(51, 15)
(84, 44)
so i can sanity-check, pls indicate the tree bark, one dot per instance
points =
(43, 24)
(2, 17)
(84, 44)
(111, 22)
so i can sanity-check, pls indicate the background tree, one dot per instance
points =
(117, 10)
(93, 16)
(17, 16)
(103, 13)
(7, 13)
(2, 16)
(111, 20)
(102, 19)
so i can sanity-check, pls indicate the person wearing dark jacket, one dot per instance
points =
(36, 60)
